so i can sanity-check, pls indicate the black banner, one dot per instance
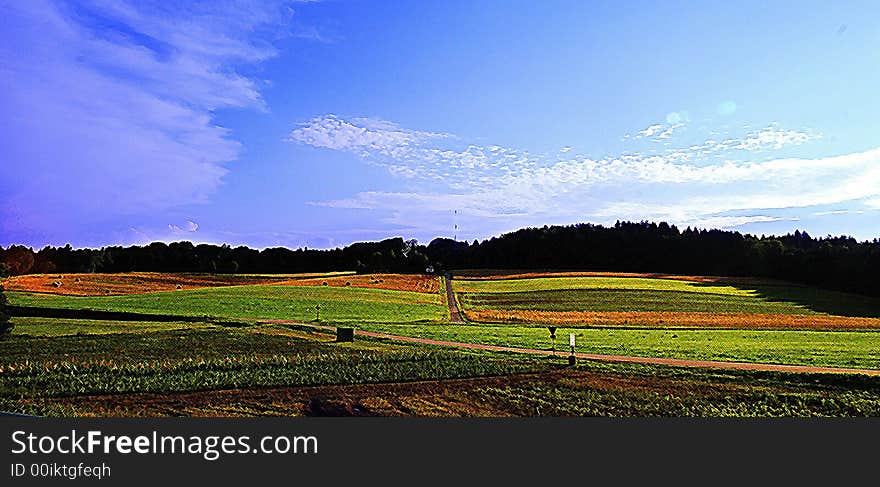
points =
(390, 451)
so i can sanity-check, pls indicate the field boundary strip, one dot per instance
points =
(90, 314)
(710, 364)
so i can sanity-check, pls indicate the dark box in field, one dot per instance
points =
(345, 334)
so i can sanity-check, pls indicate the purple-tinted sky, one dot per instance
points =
(321, 123)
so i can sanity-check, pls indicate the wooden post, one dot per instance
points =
(552, 338)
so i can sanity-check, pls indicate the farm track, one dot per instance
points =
(454, 312)
(711, 364)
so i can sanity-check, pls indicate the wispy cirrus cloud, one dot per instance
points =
(658, 132)
(733, 221)
(838, 212)
(362, 136)
(108, 106)
(715, 183)
(188, 227)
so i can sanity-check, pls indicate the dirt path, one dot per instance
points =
(713, 364)
(454, 313)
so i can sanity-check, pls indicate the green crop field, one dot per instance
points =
(177, 371)
(825, 348)
(628, 300)
(650, 294)
(337, 304)
(219, 358)
(209, 358)
(53, 327)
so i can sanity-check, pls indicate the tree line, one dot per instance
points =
(832, 262)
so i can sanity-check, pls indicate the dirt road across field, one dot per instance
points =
(712, 364)
(454, 312)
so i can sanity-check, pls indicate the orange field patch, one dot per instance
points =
(676, 319)
(422, 283)
(476, 276)
(131, 282)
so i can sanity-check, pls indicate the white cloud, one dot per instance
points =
(697, 184)
(110, 111)
(668, 131)
(732, 221)
(659, 132)
(362, 136)
(772, 137)
(838, 212)
(188, 227)
(650, 130)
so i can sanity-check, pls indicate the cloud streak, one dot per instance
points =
(715, 183)
(110, 111)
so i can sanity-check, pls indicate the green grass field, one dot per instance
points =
(825, 348)
(54, 327)
(650, 294)
(628, 300)
(261, 302)
(53, 365)
(220, 371)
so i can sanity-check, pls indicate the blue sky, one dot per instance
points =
(322, 123)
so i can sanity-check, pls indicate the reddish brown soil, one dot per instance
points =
(443, 398)
(677, 319)
(133, 282)
(430, 398)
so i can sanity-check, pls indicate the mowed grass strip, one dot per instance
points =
(261, 302)
(628, 300)
(138, 346)
(54, 327)
(822, 348)
(674, 319)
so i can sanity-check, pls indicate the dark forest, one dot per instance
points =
(831, 262)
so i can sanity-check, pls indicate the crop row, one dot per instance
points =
(627, 300)
(674, 319)
(67, 378)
